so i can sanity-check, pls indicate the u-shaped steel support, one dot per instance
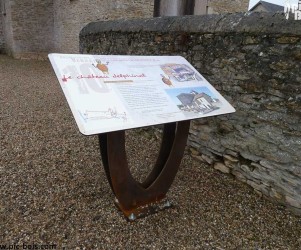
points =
(132, 195)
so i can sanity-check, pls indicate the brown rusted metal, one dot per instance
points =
(166, 145)
(135, 198)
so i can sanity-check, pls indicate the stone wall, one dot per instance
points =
(28, 27)
(254, 61)
(2, 42)
(34, 28)
(7, 28)
(71, 16)
(228, 6)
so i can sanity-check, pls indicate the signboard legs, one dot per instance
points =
(136, 199)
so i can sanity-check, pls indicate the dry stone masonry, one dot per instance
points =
(32, 29)
(254, 61)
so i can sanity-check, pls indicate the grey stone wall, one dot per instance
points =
(34, 28)
(254, 61)
(28, 27)
(7, 27)
(2, 41)
(71, 16)
(228, 6)
(31, 29)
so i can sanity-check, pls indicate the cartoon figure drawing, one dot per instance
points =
(102, 67)
(167, 81)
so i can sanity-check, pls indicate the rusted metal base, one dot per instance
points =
(134, 198)
(144, 211)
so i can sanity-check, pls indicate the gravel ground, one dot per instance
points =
(53, 188)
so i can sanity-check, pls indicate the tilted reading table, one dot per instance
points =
(110, 94)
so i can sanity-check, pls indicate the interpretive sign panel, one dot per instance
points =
(109, 93)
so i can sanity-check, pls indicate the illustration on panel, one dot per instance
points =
(178, 73)
(196, 100)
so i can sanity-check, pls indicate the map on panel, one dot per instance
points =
(110, 93)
